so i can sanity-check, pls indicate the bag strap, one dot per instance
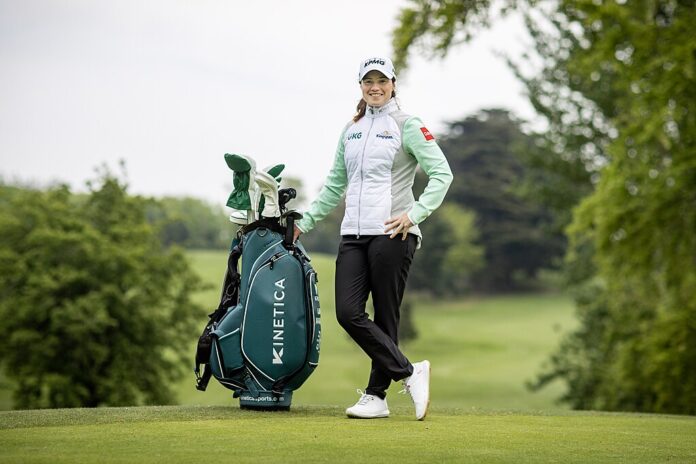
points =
(271, 223)
(228, 298)
(202, 380)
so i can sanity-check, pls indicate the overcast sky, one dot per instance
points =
(170, 86)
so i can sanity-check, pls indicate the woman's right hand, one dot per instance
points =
(296, 234)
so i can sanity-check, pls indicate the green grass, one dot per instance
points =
(323, 434)
(482, 349)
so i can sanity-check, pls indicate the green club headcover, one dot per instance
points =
(239, 198)
(237, 163)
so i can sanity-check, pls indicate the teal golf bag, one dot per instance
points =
(262, 341)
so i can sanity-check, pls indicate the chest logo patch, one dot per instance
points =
(354, 136)
(427, 134)
(385, 135)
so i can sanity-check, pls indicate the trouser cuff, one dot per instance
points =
(378, 393)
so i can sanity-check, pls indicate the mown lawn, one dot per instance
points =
(323, 434)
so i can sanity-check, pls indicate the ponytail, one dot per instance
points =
(361, 108)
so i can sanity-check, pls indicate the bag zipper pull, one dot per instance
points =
(274, 258)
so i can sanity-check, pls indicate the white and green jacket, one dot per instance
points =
(375, 166)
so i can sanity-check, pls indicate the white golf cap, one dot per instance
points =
(381, 64)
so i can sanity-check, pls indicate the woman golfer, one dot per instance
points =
(375, 165)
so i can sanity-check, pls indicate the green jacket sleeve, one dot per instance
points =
(418, 142)
(330, 194)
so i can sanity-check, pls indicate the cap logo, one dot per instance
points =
(373, 61)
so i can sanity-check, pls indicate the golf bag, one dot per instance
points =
(263, 340)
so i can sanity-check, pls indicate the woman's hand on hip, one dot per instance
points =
(398, 225)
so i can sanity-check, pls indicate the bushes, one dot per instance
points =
(93, 309)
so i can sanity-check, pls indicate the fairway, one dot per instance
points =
(482, 350)
(321, 434)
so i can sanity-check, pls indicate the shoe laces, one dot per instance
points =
(364, 397)
(406, 389)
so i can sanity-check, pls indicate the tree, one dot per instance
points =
(516, 231)
(562, 160)
(641, 217)
(449, 254)
(93, 309)
(445, 22)
(189, 222)
(624, 76)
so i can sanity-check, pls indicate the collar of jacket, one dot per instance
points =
(377, 111)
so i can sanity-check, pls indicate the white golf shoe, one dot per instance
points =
(418, 386)
(368, 407)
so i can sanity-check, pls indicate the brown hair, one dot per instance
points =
(362, 105)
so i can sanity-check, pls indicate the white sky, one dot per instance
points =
(170, 86)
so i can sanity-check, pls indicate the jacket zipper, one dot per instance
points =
(362, 161)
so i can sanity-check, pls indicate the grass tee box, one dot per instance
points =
(323, 434)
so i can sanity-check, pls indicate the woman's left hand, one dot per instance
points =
(399, 225)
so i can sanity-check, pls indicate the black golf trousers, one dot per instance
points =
(378, 265)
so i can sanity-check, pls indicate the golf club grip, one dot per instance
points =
(290, 230)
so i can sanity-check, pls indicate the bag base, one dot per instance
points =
(265, 400)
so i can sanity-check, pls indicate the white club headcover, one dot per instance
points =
(239, 217)
(269, 189)
(255, 195)
(253, 190)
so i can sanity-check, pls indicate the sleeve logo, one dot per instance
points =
(427, 134)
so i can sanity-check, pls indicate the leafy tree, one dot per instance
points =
(189, 222)
(93, 309)
(433, 26)
(195, 223)
(559, 161)
(516, 232)
(624, 76)
(642, 217)
(449, 255)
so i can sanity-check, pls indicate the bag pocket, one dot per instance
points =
(230, 351)
(226, 355)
